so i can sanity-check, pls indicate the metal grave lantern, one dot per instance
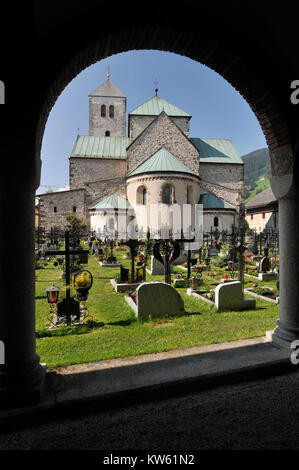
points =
(53, 294)
(83, 281)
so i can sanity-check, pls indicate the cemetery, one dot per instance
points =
(91, 314)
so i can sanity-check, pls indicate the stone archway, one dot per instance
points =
(62, 54)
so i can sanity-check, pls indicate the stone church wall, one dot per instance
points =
(138, 123)
(224, 180)
(64, 202)
(99, 189)
(162, 132)
(85, 169)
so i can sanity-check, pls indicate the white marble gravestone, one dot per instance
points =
(229, 296)
(155, 300)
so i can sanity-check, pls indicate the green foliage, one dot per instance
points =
(256, 165)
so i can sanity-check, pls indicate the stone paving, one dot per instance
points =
(259, 415)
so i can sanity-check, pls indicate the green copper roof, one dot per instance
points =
(111, 201)
(154, 106)
(216, 150)
(210, 201)
(162, 160)
(100, 147)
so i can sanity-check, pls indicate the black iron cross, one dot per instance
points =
(67, 253)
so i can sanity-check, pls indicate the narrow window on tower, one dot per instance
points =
(107, 133)
(74, 208)
(111, 111)
(55, 209)
(103, 110)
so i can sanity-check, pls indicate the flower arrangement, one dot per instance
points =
(83, 279)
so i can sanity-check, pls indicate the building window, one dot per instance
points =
(103, 110)
(111, 111)
(189, 194)
(74, 208)
(251, 216)
(263, 215)
(141, 195)
(55, 209)
(111, 223)
(166, 195)
(216, 221)
(144, 196)
(107, 134)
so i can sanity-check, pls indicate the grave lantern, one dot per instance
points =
(207, 261)
(53, 294)
(193, 283)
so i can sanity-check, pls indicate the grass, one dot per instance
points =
(115, 332)
(261, 185)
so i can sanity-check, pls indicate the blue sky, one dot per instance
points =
(217, 109)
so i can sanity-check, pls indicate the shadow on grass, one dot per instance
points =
(188, 314)
(122, 322)
(68, 330)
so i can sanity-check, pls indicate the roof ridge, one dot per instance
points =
(162, 101)
(181, 168)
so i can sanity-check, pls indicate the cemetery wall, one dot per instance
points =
(162, 132)
(86, 169)
(137, 124)
(54, 207)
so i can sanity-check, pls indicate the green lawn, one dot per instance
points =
(115, 332)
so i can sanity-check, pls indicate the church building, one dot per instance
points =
(118, 171)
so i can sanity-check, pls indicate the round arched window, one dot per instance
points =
(141, 195)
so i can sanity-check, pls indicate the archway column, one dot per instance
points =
(21, 375)
(287, 329)
(286, 190)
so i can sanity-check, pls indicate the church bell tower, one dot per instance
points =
(107, 111)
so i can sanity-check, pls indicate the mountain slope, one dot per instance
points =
(257, 171)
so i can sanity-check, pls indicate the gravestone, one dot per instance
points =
(182, 258)
(124, 274)
(229, 296)
(157, 267)
(265, 264)
(157, 299)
